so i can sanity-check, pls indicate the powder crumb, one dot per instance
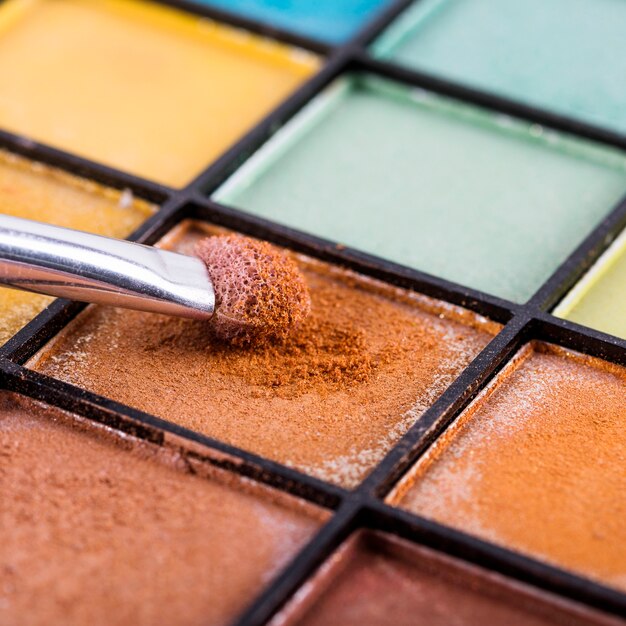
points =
(126, 199)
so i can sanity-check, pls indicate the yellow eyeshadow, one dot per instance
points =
(140, 87)
(35, 191)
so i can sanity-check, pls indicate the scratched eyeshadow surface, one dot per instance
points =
(34, 191)
(331, 401)
(137, 86)
(536, 464)
(98, 528)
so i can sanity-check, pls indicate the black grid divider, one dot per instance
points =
(363, 506)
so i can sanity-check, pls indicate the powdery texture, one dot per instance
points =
(377, 580)
(537, 464)
(260, 294)
(331, 400)
(95, 529)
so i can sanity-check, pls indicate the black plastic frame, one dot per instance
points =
(362, 507)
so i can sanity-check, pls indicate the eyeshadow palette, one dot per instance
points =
(442, 439)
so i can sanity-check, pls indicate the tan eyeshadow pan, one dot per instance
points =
(331, 401)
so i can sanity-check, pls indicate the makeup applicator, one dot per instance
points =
(247, 290)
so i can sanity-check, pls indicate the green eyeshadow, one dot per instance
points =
(475, 198)
(567, 56)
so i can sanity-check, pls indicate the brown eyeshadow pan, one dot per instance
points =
(331, 401)
(99, 528)
(536, 464)
(375, 579)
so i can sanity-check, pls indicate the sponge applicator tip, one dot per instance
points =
(260, 293)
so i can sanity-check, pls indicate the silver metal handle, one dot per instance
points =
(72, 264)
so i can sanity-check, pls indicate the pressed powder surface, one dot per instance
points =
(330, 401)
(377, 580)
(143, 88)
(536, 464)
(567, 56)
(599, 299)
(38, 192)
(96, 529)
(327, 20)
(483, 200)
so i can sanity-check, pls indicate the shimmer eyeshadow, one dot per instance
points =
(535, 464)
(599, 299)
(331, 21)
(482, 200)
(376, 580)
(138, 86)
(34, 191)
(566, 56)
(330, 401)
(98, 528)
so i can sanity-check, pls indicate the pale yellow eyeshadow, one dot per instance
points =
(599, 298)
(137, 86)
(35, 191)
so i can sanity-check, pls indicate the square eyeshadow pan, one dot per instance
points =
(331, 21)
(534, 464)
(377, 579)
(101, 528)
(565, 56)
(331, 401)
(599, 298)
(443, 187)
(141, 87)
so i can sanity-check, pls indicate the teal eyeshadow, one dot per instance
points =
(566, 56)
(452, 190)
(332, 21)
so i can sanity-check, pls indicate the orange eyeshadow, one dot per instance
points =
(536, 464)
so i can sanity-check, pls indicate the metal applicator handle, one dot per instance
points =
(72, 264)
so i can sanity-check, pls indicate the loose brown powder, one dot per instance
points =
(330, 400)
(95, 529)
(537, 464)
(260, 294)
(378, 580)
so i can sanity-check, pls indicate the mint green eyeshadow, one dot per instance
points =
(452, 190)
(566, 56)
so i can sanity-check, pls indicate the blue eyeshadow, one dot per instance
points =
(331, 21)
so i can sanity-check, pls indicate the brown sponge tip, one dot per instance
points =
(260, 293)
